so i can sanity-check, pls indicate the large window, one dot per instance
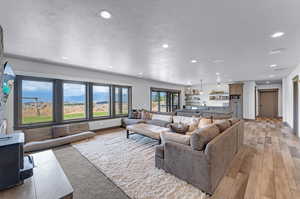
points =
(44, 102)
(74, 106)
(101, 101)
(163, 100)
(121, 100)
(36, 101)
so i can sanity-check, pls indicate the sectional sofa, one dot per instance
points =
(202, 157)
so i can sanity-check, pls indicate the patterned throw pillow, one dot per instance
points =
(135, 114)
(179, 128)
(146, 115)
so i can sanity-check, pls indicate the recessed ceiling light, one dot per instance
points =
(105, 14)
(268, 82)
(273, 65)
(165, 45)
(276, 51)
(217, 61)
(140, 73)
(217, 73)
(271, 76)
(194, 61)
(64, 57)
(277, 34)
(110, 67)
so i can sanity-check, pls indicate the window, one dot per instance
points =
(44, 102)
(163, 100)
(121, 100)
(74, 98)
(154, 101)
(101, 101)
(37, 101)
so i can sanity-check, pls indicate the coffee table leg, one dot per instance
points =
(159, 141)
(127, 134)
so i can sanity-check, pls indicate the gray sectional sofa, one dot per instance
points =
(48, 137)
(203, 160)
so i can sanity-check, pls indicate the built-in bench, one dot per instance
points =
(48, 137)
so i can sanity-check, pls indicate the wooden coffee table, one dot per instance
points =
(147, 130)
(48, 182)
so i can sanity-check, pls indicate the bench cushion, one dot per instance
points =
(46, 144)
(37, 134)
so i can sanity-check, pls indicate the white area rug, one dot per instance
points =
(129, 163)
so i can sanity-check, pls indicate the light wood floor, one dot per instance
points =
(268, 167)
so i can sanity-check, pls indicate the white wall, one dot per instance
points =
(287, 97)
(249, 100)
(271, 86)
(207, 88)
(140, 87)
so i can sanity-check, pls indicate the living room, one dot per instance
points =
(141, 99)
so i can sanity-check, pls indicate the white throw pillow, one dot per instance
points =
(167, 118)
(193, 122)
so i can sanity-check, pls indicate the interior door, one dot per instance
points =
(295, 105)
(268, 104)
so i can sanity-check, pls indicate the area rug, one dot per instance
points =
(129, 163)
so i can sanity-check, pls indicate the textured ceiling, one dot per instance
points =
(235, 31)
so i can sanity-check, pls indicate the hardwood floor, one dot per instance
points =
(268, 167)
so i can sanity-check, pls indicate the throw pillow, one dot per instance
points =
(204, 122)
(223, 125)
(179, 128)
(202, 136)
(146, 115)
(134, 114)
(174, 137)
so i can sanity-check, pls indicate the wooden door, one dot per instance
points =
(268, 101)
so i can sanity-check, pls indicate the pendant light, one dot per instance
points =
(201, 88)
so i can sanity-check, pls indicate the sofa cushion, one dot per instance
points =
(50, 143)
(175, 137)
(193, 122)
(127, 121)
(223, 125)
(37, 134)
(204, 122)
(78, 128)
(167, 118)
(161, 123)
(179, 128)
(202, 136)
(60, 130)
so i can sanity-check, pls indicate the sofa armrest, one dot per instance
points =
(188, 164)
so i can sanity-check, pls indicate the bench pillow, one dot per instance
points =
(37, 134)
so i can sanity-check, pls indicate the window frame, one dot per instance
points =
(86, 109)
(129, 101)
(57, 107)
(92, 101)
(18, 86)
(169, 103)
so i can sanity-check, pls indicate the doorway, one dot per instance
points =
(268, 103)
(295, 105)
